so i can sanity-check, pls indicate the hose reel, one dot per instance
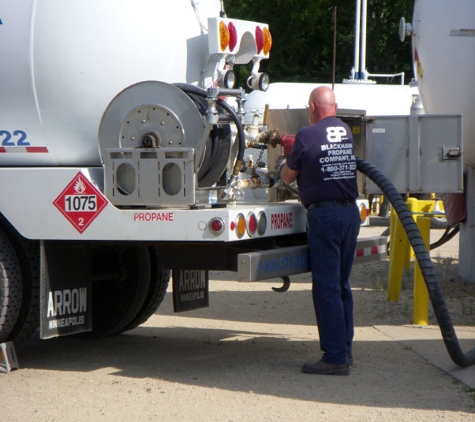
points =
(157, 146)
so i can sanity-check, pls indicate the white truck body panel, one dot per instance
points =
(34, 215)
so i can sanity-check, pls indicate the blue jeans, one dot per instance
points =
(332, 234)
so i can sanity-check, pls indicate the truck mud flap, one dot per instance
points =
(282, 262)
(190, 289)
(66, 290)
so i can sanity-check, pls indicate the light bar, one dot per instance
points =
(245, 39)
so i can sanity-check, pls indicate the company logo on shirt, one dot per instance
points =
(336, 133)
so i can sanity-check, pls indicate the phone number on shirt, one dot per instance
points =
(341, 167)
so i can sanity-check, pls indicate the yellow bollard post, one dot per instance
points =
(397, 254)
(412, 205)
(421, 295)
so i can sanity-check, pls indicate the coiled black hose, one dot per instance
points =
(193, 89)
(427, 269)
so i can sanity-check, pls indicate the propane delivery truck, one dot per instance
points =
(124, 161)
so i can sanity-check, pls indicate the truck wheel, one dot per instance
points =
(124, 274)
(10, 287)
(159, 279)
(29, 317)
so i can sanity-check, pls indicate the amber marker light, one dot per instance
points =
(240, 225)
(267, 41)
(363, 213)
(223, 36)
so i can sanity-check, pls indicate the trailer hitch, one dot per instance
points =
(284, 287)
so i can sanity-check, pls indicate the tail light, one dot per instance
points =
(259, 39)
(223, 35)
(232, 36)
(251, 224)
(262, 223)
(263, 40)
(240, 225)
(228, 36)
(364, 213)
(238, 37)
(267, 41)
(216, 225)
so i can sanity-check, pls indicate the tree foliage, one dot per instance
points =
(303, 37)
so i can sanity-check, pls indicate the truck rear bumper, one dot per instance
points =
(282, 262)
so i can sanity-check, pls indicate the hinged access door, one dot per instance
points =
(417, 153)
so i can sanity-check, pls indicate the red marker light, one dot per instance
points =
(232, 36)
(216, 225)
(251, 224)
(259, 39)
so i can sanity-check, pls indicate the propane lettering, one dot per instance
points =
(340, 152)
(66, 302)
(281, 221)
(153, 216)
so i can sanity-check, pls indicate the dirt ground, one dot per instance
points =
(240, 360)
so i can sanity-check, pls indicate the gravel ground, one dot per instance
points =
(240, 360)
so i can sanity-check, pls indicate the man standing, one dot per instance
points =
(323, 162)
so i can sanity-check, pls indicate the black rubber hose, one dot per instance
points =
(193, 89)
(448, 235)
(423, 257)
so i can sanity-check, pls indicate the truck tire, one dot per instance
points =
(29, 317)
(159, 279)
(118, 299)
(11, 287)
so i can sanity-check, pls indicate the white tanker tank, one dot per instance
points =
(64, 61)
(443, 45)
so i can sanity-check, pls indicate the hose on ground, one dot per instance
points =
(423, 257)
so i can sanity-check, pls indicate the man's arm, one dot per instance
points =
(288, 175)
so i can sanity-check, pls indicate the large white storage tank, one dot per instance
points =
(62, 62)
(443, 43)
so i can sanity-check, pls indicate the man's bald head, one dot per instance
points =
(321, 104)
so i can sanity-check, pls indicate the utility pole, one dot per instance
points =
(335, 13)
